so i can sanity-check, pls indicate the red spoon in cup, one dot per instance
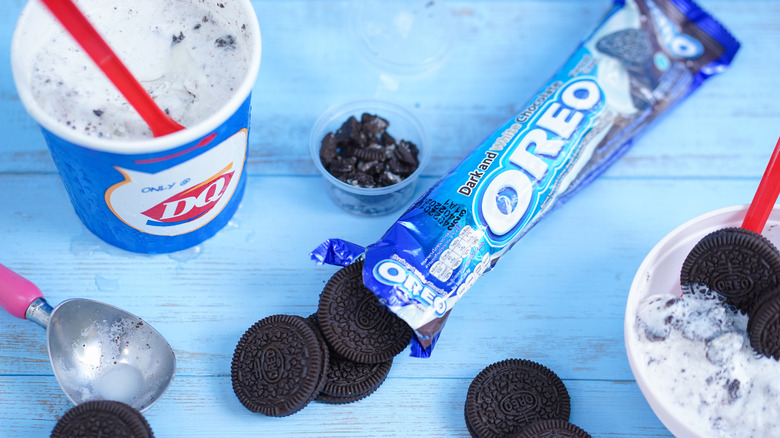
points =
(766, 195)
(739, 263)
(743, 267)
(95, 46)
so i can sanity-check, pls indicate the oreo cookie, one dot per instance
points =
(324, 348)
(471, 430)
(347, 381)
(736, 263)
(631, 46)
(552, 429)
(764, 325)
(278, 365)
(102, 418)
(510, 395)
(355, 324)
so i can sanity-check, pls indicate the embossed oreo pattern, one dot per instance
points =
(347, 381)
(512, 394)
(347, 378)
(738, 264)
(102, 418)
(340, 400)
(552, 429)
(277, 365)
(355, 324)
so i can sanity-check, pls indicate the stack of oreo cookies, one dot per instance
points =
(346, 380)
(743, 268)
(519, 398)
(340, 354)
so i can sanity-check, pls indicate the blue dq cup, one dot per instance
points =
(155, 195)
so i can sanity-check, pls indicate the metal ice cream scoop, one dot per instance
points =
(97, 351)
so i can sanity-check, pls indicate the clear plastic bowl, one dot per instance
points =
(403, 125)
(402, 37)
(659, 273)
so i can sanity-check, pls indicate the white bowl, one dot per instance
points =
(659, 273)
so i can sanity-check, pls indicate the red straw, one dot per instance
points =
(88, 38)
(766, 195)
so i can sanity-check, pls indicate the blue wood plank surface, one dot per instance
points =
(558, 297)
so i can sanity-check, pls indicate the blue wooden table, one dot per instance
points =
(557, 298)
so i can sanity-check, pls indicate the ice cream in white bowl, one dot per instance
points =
(691, 356)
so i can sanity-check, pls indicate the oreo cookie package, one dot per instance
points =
(643, 58)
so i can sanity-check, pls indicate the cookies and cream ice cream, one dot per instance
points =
(697, 354)
(199, 61)
(189, 60)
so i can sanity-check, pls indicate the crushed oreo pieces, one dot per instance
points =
(362, 153)
(227, 42)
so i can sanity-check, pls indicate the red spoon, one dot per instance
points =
(739, 263)
(88, 38)
(766, 195)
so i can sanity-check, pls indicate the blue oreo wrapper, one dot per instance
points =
(643, 58)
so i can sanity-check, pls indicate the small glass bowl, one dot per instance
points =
(403, 125)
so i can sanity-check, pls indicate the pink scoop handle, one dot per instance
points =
(16, 292)
(766, 195)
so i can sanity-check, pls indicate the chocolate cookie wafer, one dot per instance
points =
(355, 324)
(552, 429)
(471, 430)
(764, 325)
(347, 381)
(512, 394)
(324, 347)
(102, 418)
(278, 365)
(736, 263)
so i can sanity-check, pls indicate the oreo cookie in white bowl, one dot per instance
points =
(690, 348)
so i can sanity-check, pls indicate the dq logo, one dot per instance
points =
(181, 198)
(191, 203)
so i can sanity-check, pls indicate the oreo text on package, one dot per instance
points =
(644, 57)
